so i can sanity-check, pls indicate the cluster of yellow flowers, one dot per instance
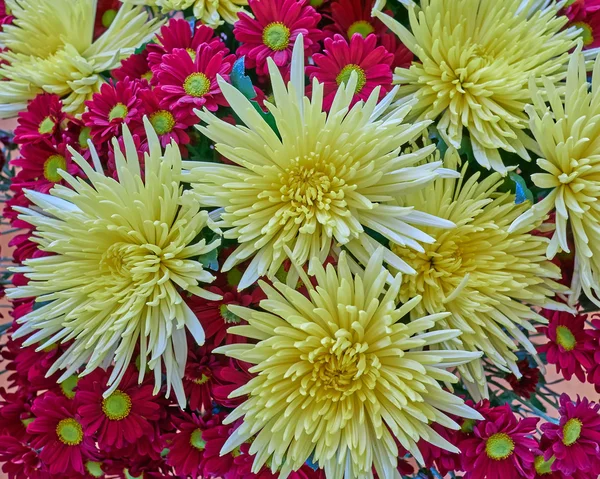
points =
(362, 359)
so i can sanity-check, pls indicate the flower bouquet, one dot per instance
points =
(325, 239)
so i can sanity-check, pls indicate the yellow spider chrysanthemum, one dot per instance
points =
(51, 48)
(486, 277)
(323, 177)
(474, 61)
(121, 251)
(340, 376)
(569, 136)
(210, 12)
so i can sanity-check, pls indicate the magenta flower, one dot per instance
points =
(569, 345)
(593, 372)
(167, 124)
(526, 385)
(184, 83)
(354, 16)
(15, 412)
(20, 461)
(372, 65)
(41, 121)
(500, 448)
(273, 31)
(199, 377)
(178, 33)
(575, 440)
(115, 105)
(121, 418)
(586, 16)
(57, 430)
(135, 67)
(228, 378)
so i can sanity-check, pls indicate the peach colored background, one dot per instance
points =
(573, 387)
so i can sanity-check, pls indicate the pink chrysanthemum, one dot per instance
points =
(121, 418)
(229, 377)
(167, 124)
(354, 16)
(575, 440)
(578, 7)
(41, 121)
(569, 345)
(527, 383)
(273, 31)
(372, 65)
(115, 105)
(58, 432)
(500, 448)
(135, 67)
(186, 446)
(20, 461)
(588, 20)
(178, 33)
(199, 377)
(444, 461)
(184, 83)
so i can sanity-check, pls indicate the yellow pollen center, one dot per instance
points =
(119, 111)
(94, 469)
(543, 467)
(69, 432)
(571, 431)
(196, 85)
(51, 167)
(192, 53)
(276, 36)
(345, 73)
(162, 121)
(499, 446)
(587, 34)
(202, 379)
(108, 17)
(47, 126)
(196, 440)
(565, 338)
(68, 385)
(84, 136)
(117, 406)
(362, 26)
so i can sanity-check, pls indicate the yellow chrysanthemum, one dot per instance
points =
(475, 58)
(323, 178)
(340, 376)
(51, 48)
(210, 12)
(569, 136)
(484, 275)
(121, 251)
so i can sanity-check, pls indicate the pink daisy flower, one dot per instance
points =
(184, 83)
(168, 125)
(199, 377)
(589, 23)
(135, 67)
(372, 65)
(403, 57)
(543, 468)
(115, 105)
(121, 418)
(20, 461)
(569, 345)
(273, 30)
(500, 448)
(228, 378)
(578, 7)
(575, 440)
(41, 121)
(178, 33)
(57, 430)
(354, 16)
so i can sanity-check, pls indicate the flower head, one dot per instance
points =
(136, 67)
(19, 460)
(199, 377)
(273, 32)
(485, 276)
(324, 178)
(474, 75)
(351, 17)
(575, 440)
(501, 448)
(569, 346)
(122, 251)
(51, 49)
(337, 376)
(526, 385)
(372, 65)
(569, 163)
(169, 125)
(41, 121)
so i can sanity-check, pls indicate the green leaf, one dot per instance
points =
(522, 192)
(537, 403)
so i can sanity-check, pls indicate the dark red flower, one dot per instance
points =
(527, 383)
(229, 377)
(15, 412)
(199, 377)
(41, 121)
(354, 16)
(135, 67)
(168, 125)
(20, 461)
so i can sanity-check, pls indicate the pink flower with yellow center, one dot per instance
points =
(168, 125)
(273, 31)
(354, 16)
(41, 121)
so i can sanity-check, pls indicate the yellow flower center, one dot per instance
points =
(84, 136)
(565, 338)
(192, 53)
(345, 73)
(51, 167)
(276, 36)
(543, 467)
(118, 111)
(68, 385)
(94, 469)
(587, 34)
(126, 260)
(236, 452)
(196, 85)
(117, 406)
(202, 380)
(571, 431)
(69, 432)
(108, 17)
(148, 75)
(362, 26)
(162, 121)
(197, 441)
(499, 446)
(47, 126)
(227, 315)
